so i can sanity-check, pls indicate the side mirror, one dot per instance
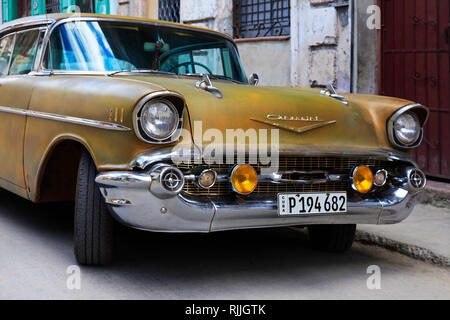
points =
(253, 80)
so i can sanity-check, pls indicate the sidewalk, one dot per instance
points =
(424, 235)
(436, 194)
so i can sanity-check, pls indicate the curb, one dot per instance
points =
(436, 194)
(409, 250)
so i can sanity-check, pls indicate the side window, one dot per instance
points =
(5, 53)
(24, 52)
(38, 55)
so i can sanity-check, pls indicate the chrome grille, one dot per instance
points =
(224, 188)
(286, 163)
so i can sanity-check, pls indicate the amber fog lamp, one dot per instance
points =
(207, 179)
(362, 179)
(244, 179)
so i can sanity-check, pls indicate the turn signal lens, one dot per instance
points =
(380, 178)
(362, 179)
(244, 179)
(207, 178)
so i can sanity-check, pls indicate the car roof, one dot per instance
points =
(56, 17)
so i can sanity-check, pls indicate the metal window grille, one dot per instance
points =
(52, 6)
(86, 5)
(169, 10)
(261, 18)
(23, 8)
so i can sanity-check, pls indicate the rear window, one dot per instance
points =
(5, 53)
(24, 52)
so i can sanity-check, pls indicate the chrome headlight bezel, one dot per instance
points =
(174, 101)
(420, 113)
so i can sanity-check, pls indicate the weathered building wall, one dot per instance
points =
(318, 51)
(138, 8)
(269, 59)
(321, 45)
(366, 44)
(212, 14)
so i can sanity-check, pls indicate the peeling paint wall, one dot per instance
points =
(212, 14)
(324, 41)
(138, 8)
(269, 59)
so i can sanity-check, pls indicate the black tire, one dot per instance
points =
(332, 238)
(94, 226)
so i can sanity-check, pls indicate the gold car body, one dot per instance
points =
(46, 118)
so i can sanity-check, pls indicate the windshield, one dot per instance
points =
(114, 46)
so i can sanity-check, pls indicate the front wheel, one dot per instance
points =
(332, 238)
(93, 227)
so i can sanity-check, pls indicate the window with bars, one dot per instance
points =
(261, 18)
(169, 10)
(52, 6)
(23, 8)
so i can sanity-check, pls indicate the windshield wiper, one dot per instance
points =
(140, 71)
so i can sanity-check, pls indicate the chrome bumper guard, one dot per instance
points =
(153, 201)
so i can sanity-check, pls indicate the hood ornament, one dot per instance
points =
(206, 84)
(330, 91)
(294, 129)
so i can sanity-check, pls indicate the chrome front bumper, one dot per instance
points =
(134, 200)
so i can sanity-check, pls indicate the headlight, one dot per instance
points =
(407, 128)
(159, 119)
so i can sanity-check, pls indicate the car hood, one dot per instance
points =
(327, 124)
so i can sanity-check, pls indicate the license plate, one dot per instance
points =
(290, 204)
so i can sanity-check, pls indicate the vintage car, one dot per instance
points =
(155, 125)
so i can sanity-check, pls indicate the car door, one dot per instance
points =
(17, 53)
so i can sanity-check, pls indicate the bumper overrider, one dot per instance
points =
(152, 198)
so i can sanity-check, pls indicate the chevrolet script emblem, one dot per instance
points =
(278, 117)
(294, 129)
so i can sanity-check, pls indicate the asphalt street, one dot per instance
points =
(36, 254)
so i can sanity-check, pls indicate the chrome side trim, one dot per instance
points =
(68, 119)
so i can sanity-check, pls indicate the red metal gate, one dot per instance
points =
(416, 66)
